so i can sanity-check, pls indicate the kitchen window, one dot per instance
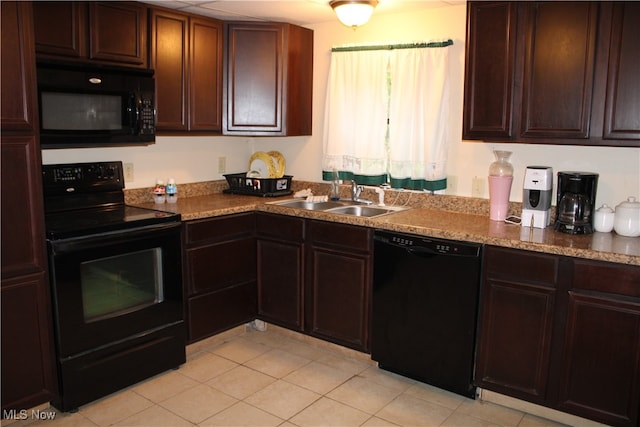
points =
(386, 118)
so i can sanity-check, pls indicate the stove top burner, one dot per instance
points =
(84, 222)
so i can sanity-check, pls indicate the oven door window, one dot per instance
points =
(121, 284)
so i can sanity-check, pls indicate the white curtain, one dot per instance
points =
(419, 118)
(356, 116)
(407, 86)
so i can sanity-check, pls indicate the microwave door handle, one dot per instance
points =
(136, 113)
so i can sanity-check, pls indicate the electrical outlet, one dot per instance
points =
(128, 172)
(477, 186)
(222, 165)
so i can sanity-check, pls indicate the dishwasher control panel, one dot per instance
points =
(429, 244)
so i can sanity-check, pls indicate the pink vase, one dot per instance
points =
(499, 190)
(500, 180)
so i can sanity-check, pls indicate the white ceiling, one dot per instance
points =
(300, 12)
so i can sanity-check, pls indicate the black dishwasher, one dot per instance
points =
(425, 305)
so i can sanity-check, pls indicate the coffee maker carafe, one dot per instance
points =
(576, 201)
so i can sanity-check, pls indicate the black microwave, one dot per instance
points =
(95, 107)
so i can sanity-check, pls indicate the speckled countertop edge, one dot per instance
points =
(447, 217)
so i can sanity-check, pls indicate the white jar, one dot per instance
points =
(627, 220)
(603, 219)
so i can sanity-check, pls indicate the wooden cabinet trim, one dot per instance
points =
(330, 234)
(607, 278)
(218, 229)
(518, 265)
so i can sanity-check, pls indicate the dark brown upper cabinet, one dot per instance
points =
(105, 32)
(268, 80)
(622, 100)
(553, 73)
(186, 54)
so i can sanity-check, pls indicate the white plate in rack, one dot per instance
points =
(262, 163)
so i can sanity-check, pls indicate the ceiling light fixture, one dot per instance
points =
(353, 13)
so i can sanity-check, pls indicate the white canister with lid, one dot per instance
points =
(627, 218)
(603, 219)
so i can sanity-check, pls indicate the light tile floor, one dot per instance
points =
(275, 378)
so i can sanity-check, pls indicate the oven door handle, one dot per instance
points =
(61, 246)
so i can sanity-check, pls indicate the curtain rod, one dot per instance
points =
(419, 45)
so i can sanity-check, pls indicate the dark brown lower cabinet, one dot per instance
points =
(315, 277)
(280, 246)
(28, 363)
(600, 368)
(517, 308)
(338, 284)
(561, 332)
(220, 274)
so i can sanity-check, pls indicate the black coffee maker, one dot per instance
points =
(576, 201)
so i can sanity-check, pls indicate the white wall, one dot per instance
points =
(191, 159)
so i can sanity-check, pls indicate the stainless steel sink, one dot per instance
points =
(342, 207)
(367, 211)
(312, 206)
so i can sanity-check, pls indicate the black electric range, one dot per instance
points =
(88, 198)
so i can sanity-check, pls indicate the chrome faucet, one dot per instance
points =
(355, 193)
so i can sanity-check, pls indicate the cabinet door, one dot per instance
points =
(622, 109)
(600, 375)
(516, 339)
(560, 40)
(60, 28)
(338, 283)
(27, 350)
(254, 77)
(23, 245)
(205, 75)
(280, 286)
(490, 61)
(601, 364)
(169, 56)
(340, 289)
(118, 33)
(18, 76)
(280, 269)
(268, 87)
(516, 323)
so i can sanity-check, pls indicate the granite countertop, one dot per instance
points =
(427, 221)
